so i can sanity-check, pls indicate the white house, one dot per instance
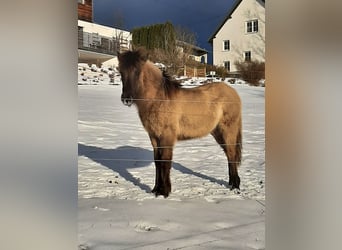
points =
(241, 35)
(99, 44)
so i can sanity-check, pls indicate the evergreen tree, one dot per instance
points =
(158, 36)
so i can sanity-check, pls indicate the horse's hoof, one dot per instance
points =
(234, 187)
(234, 183)
(165, 194)
(158, 191)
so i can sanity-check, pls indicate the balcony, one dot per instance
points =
(100, 44)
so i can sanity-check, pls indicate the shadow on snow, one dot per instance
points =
(127, 157)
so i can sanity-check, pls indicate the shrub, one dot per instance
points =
(220, 70)
(252, 72)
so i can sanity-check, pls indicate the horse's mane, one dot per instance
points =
(169, 84)
(134, 59)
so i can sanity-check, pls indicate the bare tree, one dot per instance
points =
(118, 36)
(119, 19)
(186, 41)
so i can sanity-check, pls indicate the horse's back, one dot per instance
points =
(218, 92)
(224, 90)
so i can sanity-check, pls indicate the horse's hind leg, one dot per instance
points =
(229, 139)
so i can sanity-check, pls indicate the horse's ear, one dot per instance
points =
(143, 54)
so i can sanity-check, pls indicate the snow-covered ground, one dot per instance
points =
(116, 174)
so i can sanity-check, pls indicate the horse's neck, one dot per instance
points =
(151, 86)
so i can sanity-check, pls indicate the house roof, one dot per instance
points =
(197, 50)
(228, 16)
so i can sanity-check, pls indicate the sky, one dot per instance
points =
(200, 16)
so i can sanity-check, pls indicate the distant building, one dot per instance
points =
(85, 10)
(98, 44)
(196, 53)
(241, 35)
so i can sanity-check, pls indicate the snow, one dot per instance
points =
(97, 76)
(116, 174)
(164, 224)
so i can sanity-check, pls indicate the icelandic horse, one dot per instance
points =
(170, 113)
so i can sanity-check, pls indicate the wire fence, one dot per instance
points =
(178, 145)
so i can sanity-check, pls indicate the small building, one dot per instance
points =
(194, 52)
(241, 35)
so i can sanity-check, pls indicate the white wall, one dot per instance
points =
(240, 41)
(199, 58)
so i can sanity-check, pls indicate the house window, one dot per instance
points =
(226, 45)
(227, 65)
(252, 26)
(248, 56)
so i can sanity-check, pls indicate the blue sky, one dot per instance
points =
(200, 16)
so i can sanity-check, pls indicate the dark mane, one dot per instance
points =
(169, 84)
(132, 59)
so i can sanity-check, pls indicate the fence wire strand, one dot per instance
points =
(181, 101)
(138, 160)
(177, 146)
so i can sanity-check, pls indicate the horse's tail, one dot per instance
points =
(238, 146)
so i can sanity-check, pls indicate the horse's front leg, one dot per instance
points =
(163, 161)
(156, 155)
(166, 164)
(164, 174)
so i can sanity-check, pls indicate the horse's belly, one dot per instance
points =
(187, 126)
(194, 127)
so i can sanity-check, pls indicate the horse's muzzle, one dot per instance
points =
(127, 101)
